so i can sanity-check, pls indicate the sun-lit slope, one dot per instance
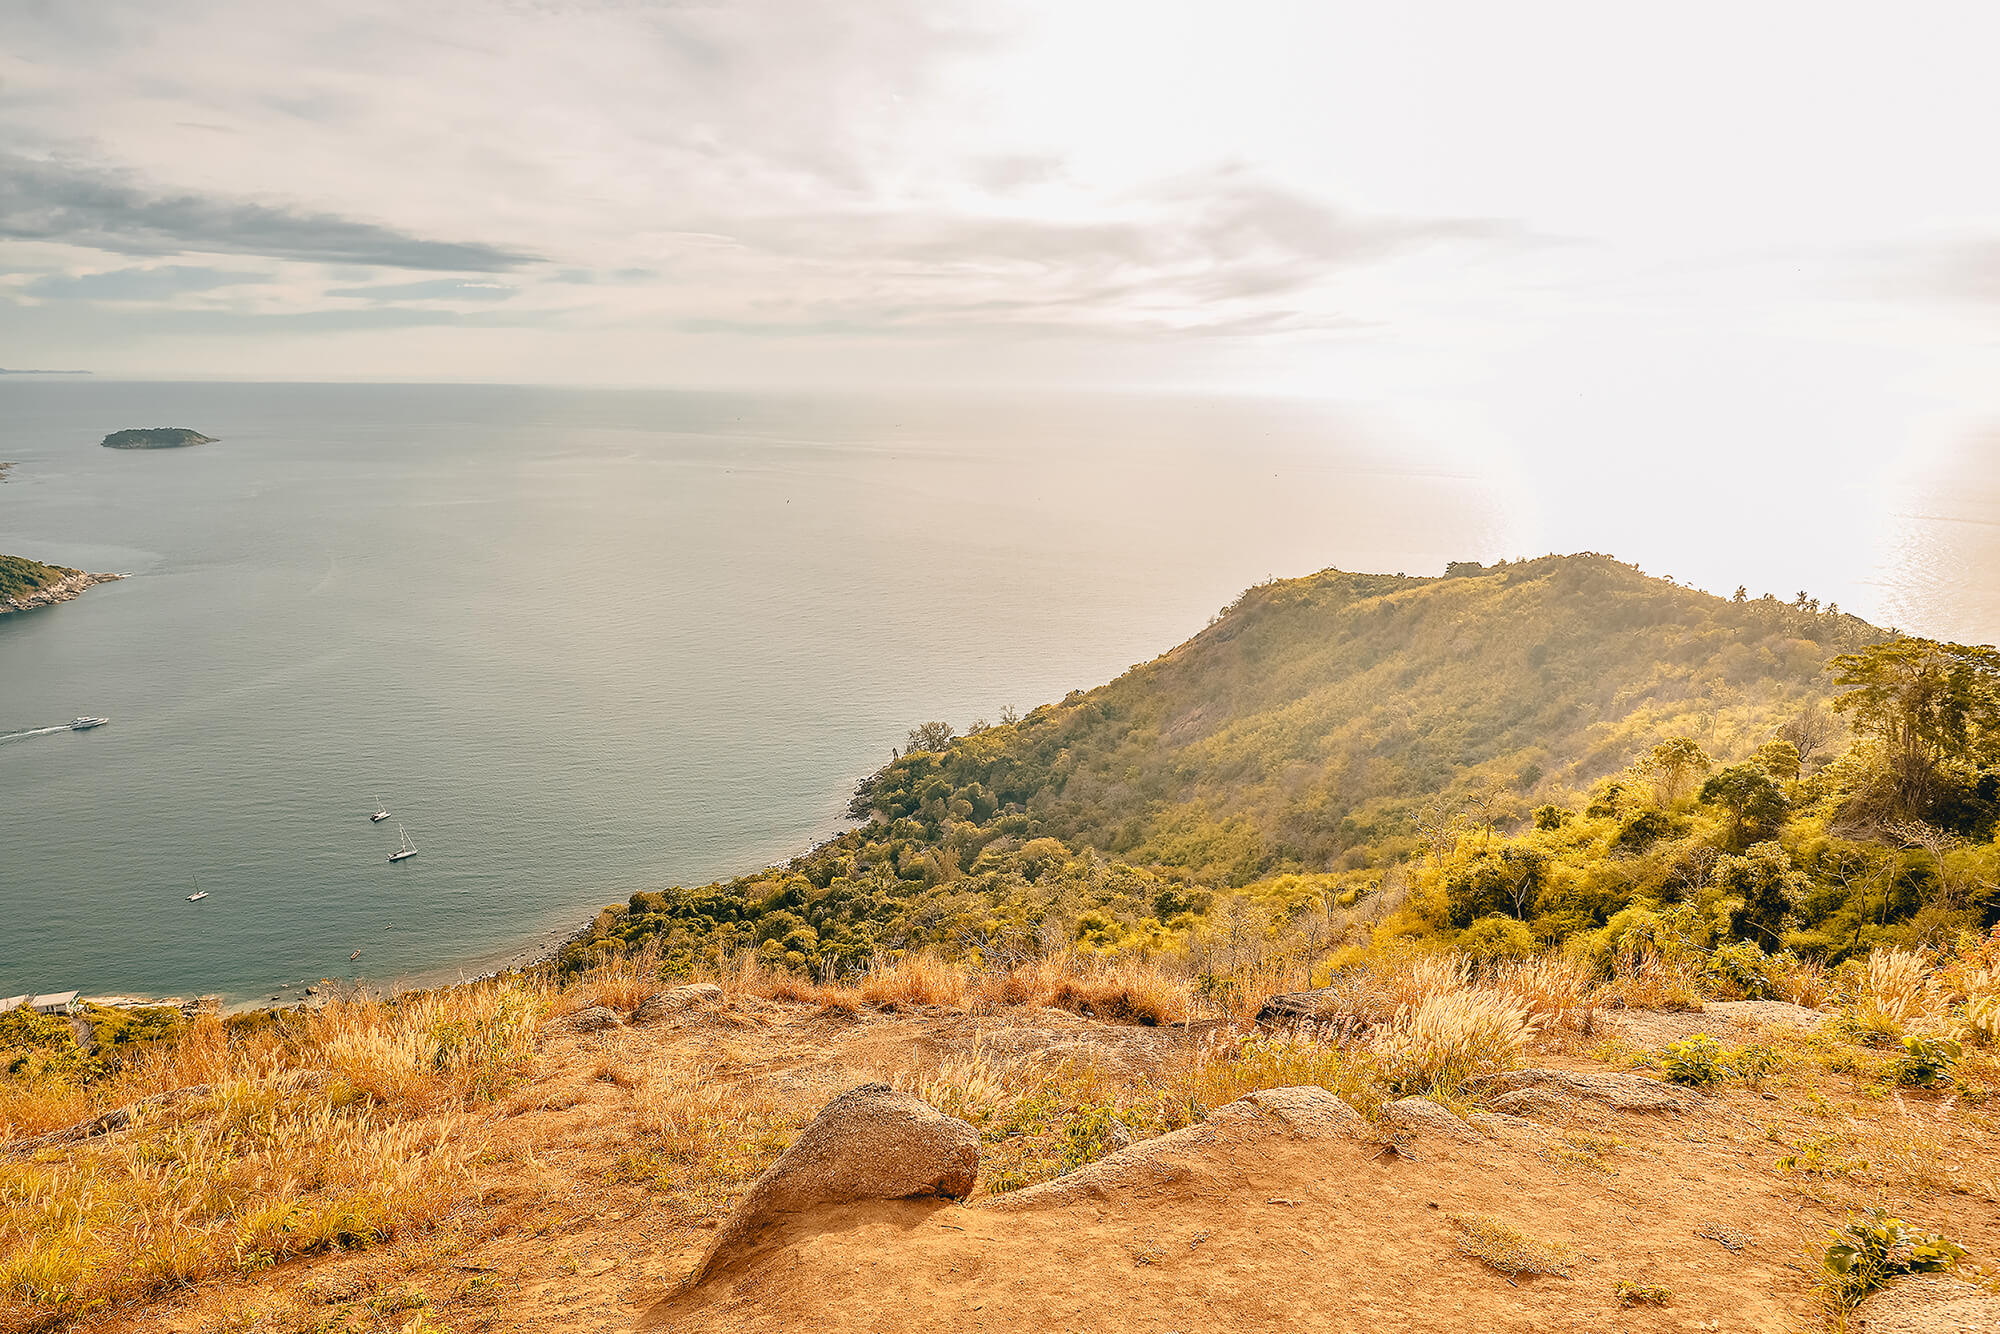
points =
(1301, 726)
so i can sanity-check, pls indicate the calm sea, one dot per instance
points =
(582, 643)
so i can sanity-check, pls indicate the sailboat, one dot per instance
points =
(381, 811)
(199, 893)
(404, 848)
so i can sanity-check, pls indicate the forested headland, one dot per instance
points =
(1561, 752)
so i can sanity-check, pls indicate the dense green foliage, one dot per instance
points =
(1553, 750)
(20, 576)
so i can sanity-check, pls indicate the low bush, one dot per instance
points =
(1870, 1250)
(1928, 1061)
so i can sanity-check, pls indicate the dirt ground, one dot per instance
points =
(1259, 1230)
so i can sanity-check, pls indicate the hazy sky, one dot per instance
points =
(1695, 226)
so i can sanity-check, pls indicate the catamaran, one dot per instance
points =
(199, 893)
(404, 848)
(381, 811)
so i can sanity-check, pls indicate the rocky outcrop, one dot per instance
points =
(1624, 1093)
(62, 590)
(1928, 1304)
(666, 1004)
(870, 1143)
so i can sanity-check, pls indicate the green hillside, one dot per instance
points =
(20, 576)
(1504, 757)
(1297, 731)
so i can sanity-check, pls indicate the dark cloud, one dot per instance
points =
(85, 206)
(157, 284)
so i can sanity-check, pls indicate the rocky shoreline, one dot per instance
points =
(62, 590)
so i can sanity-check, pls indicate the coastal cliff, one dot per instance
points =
(27, 584)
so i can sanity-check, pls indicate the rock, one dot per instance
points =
(870, 1143)
(1306, 1113)
(1180, 1161)
(1533, 1103)
(1928, 1304)
(1723, 1020)
(1625, 1093)
(666, 1004)
(1292, 1009)
(1421, 1116)
(594, 1019)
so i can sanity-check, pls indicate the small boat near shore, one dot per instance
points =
(85, 723)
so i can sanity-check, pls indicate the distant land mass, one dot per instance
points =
(5, 371)
(5, 468)
(156, 437)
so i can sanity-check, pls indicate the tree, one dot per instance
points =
(1770, 886)
(1674, 765)
(1750, 795)
(1780, 759)
(1439, 820)
(1927, 704)
(930, 736)
(1811, 732)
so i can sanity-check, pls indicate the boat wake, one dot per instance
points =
(5, 737)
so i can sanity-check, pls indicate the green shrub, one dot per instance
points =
(1871, 1250)
(1928, 1061)
(1696, 1061)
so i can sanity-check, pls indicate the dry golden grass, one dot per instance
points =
(1557, 992)
(1646, 981)
(1436, 1045)
(1893, 993)
(335, 1128)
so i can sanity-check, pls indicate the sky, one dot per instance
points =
(1759, 237)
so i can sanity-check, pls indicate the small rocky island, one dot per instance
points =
(27, 584)
(156, 437)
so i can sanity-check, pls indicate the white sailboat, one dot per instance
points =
(381, 811)
(199, 893)
(404, 848)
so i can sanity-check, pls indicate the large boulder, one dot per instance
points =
(594, 1019)
(1409, 1117)
(1177, 1163)
(666, 1004)
(1294, 1009)
(870, 1143)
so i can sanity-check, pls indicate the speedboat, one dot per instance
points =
(84, 724)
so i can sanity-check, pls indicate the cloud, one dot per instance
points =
(1971, 272)
(436, 289)
(44, 200)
